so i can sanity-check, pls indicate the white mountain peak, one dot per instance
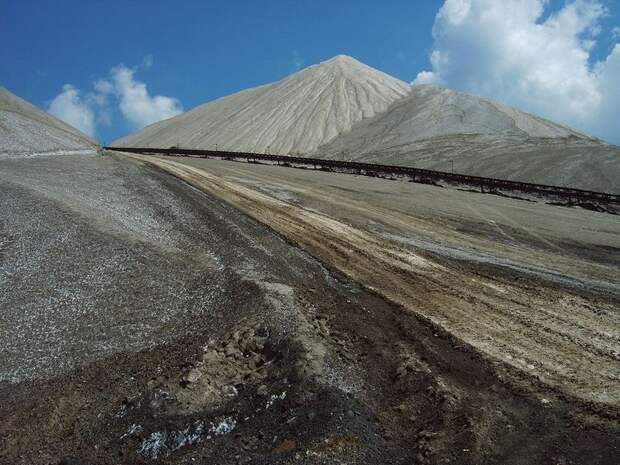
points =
(294, 115)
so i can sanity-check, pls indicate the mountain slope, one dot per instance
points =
(442, 129)
(293, 116)
(343, 109)
(25, 128)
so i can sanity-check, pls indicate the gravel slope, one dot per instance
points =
(294, 115)
(25, 129)
(552, 334)
(555, 243)
(146, 322)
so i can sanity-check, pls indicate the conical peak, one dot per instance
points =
(342, 59)
(293, 115)
(342, 62)
(349, 68)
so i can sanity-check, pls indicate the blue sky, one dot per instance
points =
(194, 51)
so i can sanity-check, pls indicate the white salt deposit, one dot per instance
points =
(429, 112)
(444, 130)
(274, 398)
(291, 116)
(343, 109)
(163, 443)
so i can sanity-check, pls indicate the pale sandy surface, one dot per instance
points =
(547, 304)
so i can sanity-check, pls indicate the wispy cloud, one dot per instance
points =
(298, 61)
(120, 89)
(147, 61)
(520, 53)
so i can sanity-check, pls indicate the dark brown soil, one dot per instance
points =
(422, 400)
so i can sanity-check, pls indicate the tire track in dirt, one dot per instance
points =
(502, 319)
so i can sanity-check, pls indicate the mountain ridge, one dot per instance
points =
(24, 128)
(438, 128)
(293, 115)
(344, 109)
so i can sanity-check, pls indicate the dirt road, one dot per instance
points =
(554, 334)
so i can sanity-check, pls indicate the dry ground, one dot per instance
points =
(557, 320)
(146, 322)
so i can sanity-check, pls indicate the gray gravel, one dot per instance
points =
(152, 260)
(101, 258)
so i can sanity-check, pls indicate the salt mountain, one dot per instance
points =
(25, 129)
(344, 109)
(292, 116)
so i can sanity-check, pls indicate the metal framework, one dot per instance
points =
(490, 185)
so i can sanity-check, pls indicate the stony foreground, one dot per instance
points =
(146, 322)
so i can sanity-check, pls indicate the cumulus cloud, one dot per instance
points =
(100, 97)
(608, 76)
(135, 102)
(120, 89)
(518, 52)
(73, 109)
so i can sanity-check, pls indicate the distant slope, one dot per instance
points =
(439, 128)
(294, 115)
(25, 128)
(344, 109)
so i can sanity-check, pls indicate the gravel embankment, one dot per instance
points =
(142, 321)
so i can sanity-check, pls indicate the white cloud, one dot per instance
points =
(516, 52)
(101, 99)
(426, 77)
(70, 107)
(103, 87)
(608, 76)
(135, 102)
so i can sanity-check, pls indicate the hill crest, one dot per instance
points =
(24, 128)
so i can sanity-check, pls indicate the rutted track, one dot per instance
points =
(490, 185)
(553, 335)
(248, 350)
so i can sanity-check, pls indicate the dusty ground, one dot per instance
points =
(565, 333)
(207, 338)
(555, 243)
